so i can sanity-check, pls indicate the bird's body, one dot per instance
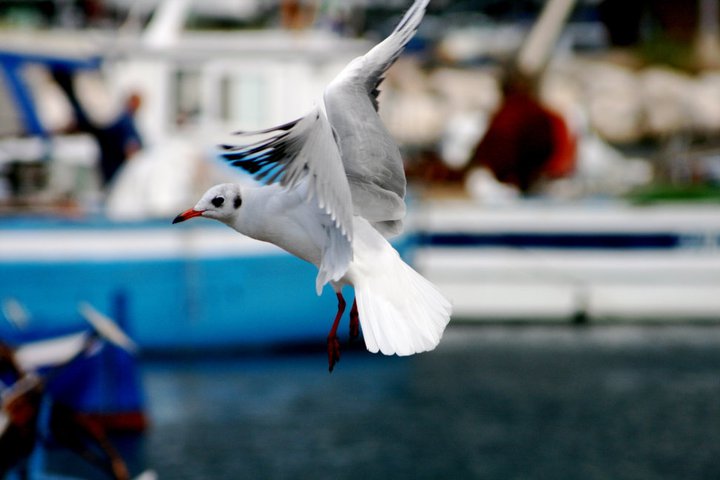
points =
(336, 188)
(297, 226)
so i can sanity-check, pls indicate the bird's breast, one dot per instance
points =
(298, 231)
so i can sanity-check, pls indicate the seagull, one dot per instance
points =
(332, 192)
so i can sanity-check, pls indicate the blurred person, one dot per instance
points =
(297, 14)
(118, 141)
(526, 142)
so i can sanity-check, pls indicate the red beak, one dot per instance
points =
(187, 215)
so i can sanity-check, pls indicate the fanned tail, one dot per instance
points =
(401, 312)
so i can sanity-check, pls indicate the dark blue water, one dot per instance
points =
(621, 402)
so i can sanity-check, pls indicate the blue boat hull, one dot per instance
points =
(220, 294)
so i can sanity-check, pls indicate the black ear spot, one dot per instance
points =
(237, 202)
(218, 201)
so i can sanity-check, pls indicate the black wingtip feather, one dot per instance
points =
(284, 127)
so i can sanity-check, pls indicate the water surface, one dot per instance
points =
(618, 402)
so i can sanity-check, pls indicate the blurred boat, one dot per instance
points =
(540, 260)
(200, 286)
(83, 367)
(169, 287)
(195, 86)
(73, 390)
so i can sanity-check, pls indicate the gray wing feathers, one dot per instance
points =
(384, 54)
(304, 148)
(370, 155)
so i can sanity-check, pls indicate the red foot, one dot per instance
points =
(354, 322)
(332, 340)
(333, 347)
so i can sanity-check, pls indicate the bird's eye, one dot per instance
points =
(218, 201)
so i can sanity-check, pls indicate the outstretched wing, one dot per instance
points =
(303, 148)
(370, 155)
(353, 167)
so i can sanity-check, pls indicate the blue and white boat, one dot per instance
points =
(177, 287)
(201, 286)
(170, 287)
(549, 261)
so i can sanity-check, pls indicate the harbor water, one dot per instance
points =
(492, 402)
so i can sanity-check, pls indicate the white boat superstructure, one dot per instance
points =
(196, 87)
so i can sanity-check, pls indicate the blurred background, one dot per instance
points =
(563, 160)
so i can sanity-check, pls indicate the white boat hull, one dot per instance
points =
(545, 262)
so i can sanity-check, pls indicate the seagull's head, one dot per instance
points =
(221, 203)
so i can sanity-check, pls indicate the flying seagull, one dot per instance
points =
(333, 192)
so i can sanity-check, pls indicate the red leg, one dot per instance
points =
(354, 321)
(333, 344)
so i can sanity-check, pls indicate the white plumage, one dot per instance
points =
(335, 190)
(400, 311)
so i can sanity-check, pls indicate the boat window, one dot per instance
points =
(242, 98)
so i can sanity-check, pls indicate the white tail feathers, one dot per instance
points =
(400, 311)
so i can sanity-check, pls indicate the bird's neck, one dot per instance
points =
(258, 205)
